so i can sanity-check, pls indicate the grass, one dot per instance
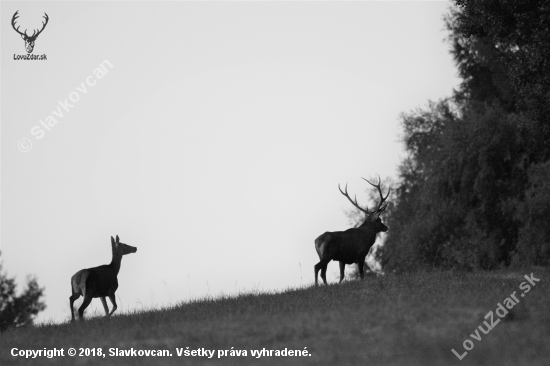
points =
(407, 319)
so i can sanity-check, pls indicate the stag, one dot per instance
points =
(353, 245)
(29, 40)
(99, 281)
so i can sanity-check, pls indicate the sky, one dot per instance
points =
(210, 135)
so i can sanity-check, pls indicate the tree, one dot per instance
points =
(473, 190)
(453, 203)
(18, 310)
(502, 50)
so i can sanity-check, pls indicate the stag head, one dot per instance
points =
(29, 40)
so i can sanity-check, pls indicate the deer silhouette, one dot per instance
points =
(99, 281)
(353, 245)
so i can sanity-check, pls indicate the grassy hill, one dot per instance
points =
(408, 319)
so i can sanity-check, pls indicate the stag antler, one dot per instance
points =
(34, 34)
(353, 202)
(381, 205)
(13, 19)
(45, 16)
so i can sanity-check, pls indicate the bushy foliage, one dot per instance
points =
(502, 49)
(18, 310)
(454, 200)
(473, 191)
(533, 245)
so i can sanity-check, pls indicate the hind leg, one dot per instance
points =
(317, 268)
(72, 299)
(322, 265)
(85, 303)
(105, 307)
(324, 273)
(113, 301)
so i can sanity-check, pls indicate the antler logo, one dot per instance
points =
(29, 40)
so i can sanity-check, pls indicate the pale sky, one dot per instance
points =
(214, 144)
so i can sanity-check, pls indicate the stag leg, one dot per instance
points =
(85, 303)
(360, 265)
(72, 299)
(323, 267)
(342, 268)
(318, 266)
(113, 301)
(324, 273)
(105, 307)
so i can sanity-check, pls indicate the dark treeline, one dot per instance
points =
(474, 190)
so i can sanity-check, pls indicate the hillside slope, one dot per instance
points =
(409, 319)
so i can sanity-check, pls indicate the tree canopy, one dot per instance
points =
(474, 189)
(17, 310)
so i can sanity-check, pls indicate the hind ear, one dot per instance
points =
(112, 241)
(117, 239)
